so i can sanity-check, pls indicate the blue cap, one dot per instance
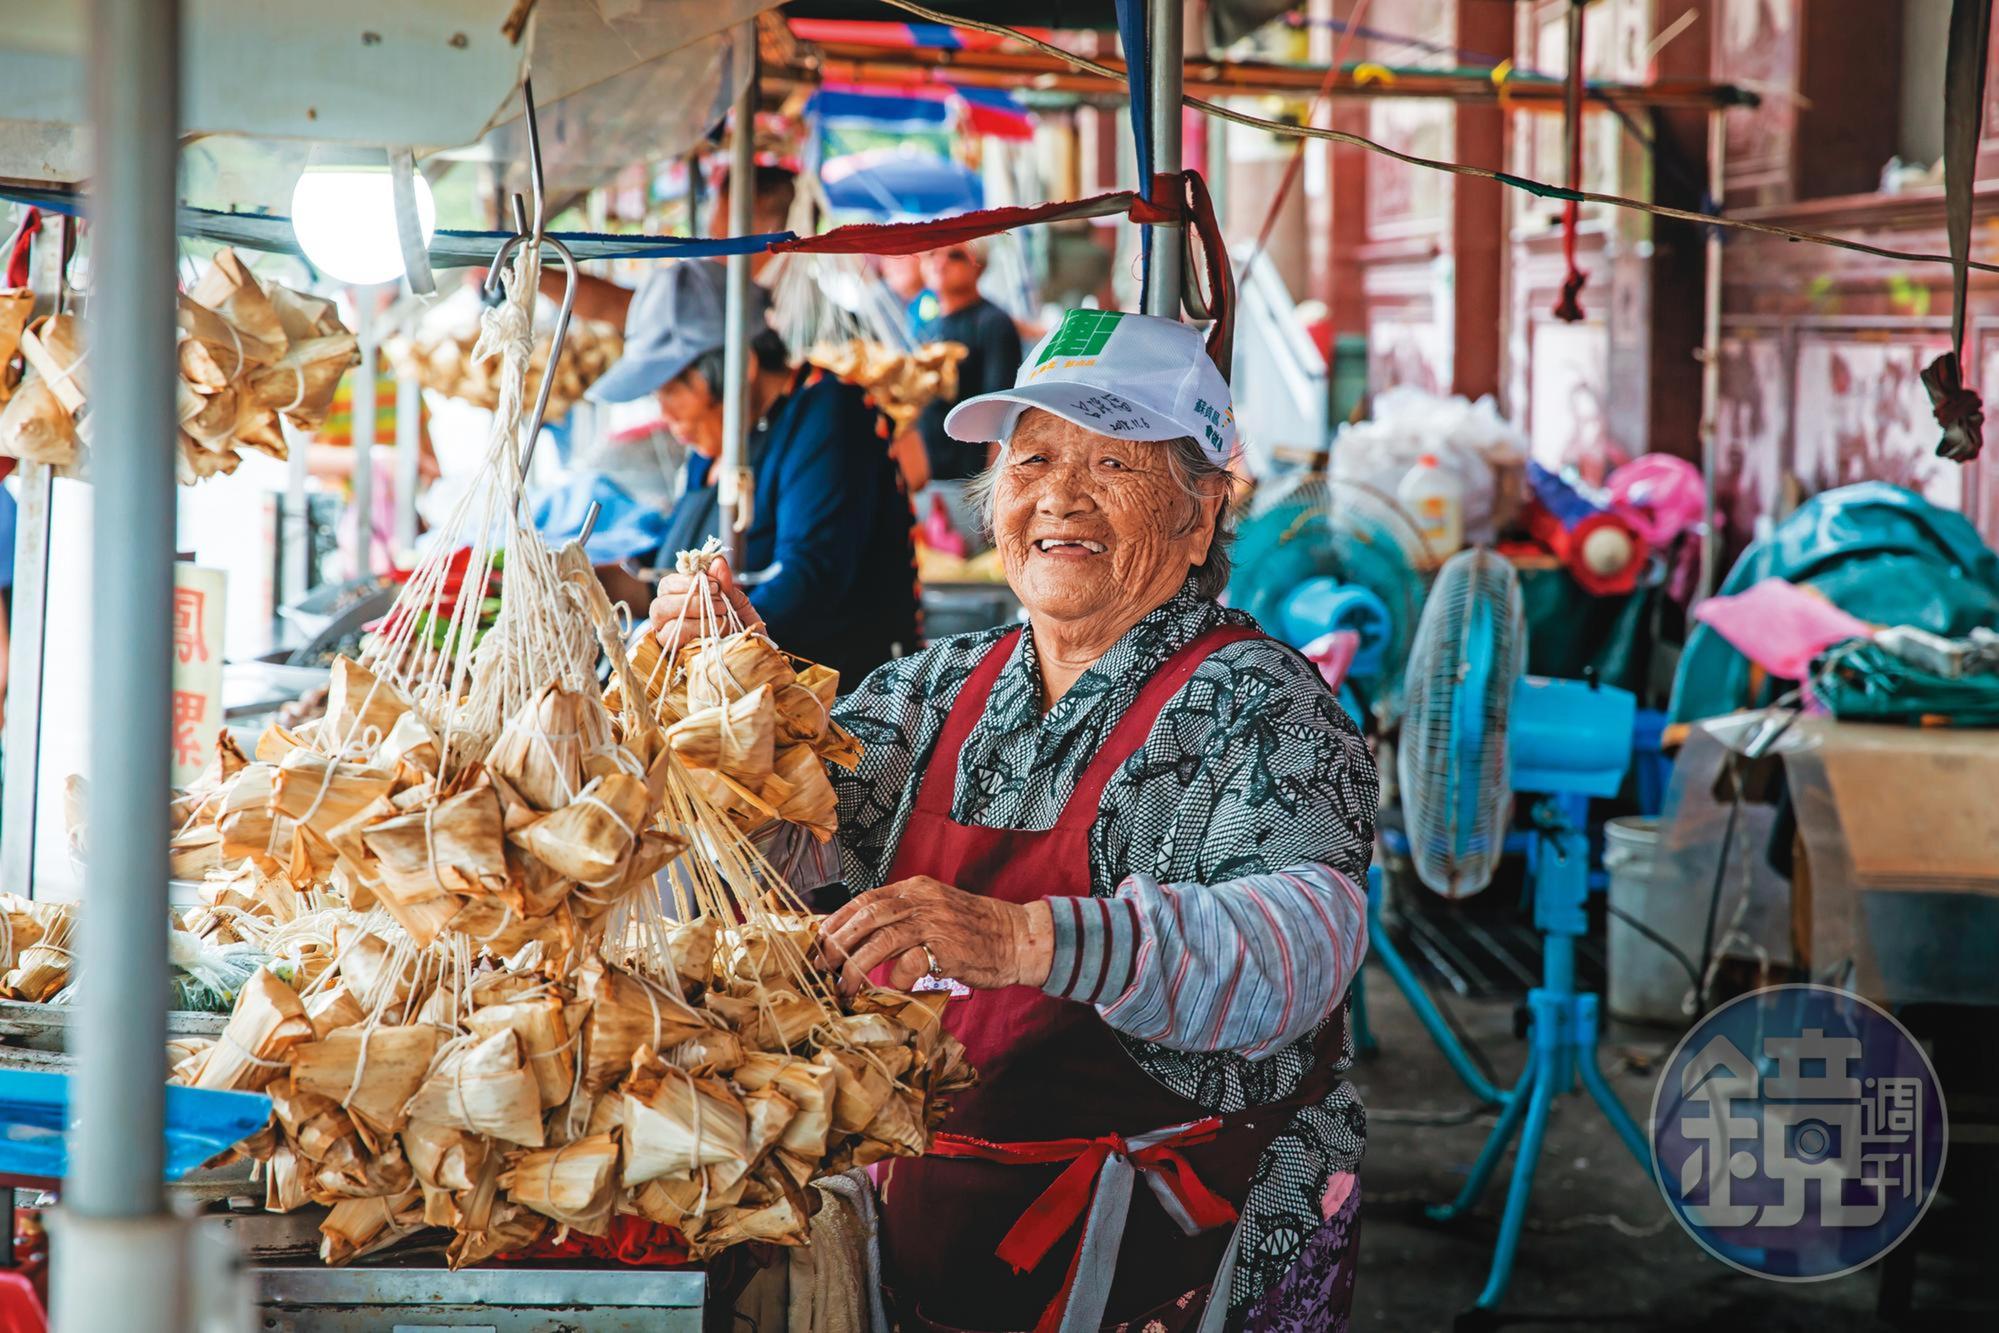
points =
(675, 318)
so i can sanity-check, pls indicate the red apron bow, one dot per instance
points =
(1052, 1216)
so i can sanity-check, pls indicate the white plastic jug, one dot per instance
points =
(1434, 495)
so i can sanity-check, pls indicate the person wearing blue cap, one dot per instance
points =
(830, 557)
(1129, 838)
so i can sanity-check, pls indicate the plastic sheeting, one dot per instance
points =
(1865, 682)
(1878, 552)
(619, 83)
(1471, 439)
(1697, 850)
(616, 82)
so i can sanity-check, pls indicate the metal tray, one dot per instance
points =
(45, 1027)
(477, 1300)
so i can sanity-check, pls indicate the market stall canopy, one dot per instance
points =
(438, 75)
(898, 183)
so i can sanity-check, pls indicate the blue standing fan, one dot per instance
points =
(1317, 555)
(1476, 730)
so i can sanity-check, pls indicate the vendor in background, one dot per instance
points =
(609, 302)
(1133, 835)
(903, 275)
(992, 346)
(830, 563)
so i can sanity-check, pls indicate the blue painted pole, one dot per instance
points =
(1411, 986)
(1548, 1029)
(1495, 1144)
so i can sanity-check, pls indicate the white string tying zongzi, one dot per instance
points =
(249, 1058)
(298, 374)
(506, 920)
(235, 347)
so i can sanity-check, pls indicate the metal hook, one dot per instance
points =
(534, 158)
(532, 231)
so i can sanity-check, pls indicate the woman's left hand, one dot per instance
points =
(977, 941)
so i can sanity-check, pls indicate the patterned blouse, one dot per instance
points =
(1233, 842)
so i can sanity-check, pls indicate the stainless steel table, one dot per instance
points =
(483, 1300)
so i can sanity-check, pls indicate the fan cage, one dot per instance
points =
(1470, 652)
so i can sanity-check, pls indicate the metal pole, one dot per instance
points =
(409, 453)
(120, 1262)
(734, 479)
(1166, 27)
(697, 221)
(298, 525)
(362, 406)
(27, 635)
(1710, 536)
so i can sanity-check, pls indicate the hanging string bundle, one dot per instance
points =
(1957, 407)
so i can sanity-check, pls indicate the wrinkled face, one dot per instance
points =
(1090, 526)
(692, 413)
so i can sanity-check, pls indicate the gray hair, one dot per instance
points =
(767, 352)
(1195, 471)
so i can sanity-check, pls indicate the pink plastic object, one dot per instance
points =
(938, 534)
(1779, 626)
(1661, 494)
(1333, 654)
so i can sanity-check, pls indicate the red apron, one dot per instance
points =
(1049, 1069)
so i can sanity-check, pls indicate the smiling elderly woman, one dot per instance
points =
(1130, 838)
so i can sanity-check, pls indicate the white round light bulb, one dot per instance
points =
(345, 221)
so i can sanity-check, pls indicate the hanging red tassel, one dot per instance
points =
(1569, 306)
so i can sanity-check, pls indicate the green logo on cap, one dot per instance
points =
(1081, 333)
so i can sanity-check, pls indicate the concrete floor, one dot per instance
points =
(1575, 1269)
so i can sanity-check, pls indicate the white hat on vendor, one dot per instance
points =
(1135, 377)
(675, 319)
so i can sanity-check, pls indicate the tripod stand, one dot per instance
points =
(1562, 1033)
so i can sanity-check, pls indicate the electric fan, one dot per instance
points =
(1317, 555)
(1476, 730)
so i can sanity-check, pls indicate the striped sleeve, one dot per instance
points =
(1249, 965)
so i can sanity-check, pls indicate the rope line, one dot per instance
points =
(1541, 189)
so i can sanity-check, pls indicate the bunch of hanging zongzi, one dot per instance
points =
(902, 384)
(540, 972)
(248, 354)
(444, 363)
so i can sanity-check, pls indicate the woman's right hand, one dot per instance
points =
(678, 613)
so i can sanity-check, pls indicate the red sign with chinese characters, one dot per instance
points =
(197, 701)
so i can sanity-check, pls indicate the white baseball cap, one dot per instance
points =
(1136, 377)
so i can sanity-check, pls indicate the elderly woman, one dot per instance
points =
(830, 522)
(1129, 838)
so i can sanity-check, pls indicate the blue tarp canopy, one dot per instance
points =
(895, 183)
